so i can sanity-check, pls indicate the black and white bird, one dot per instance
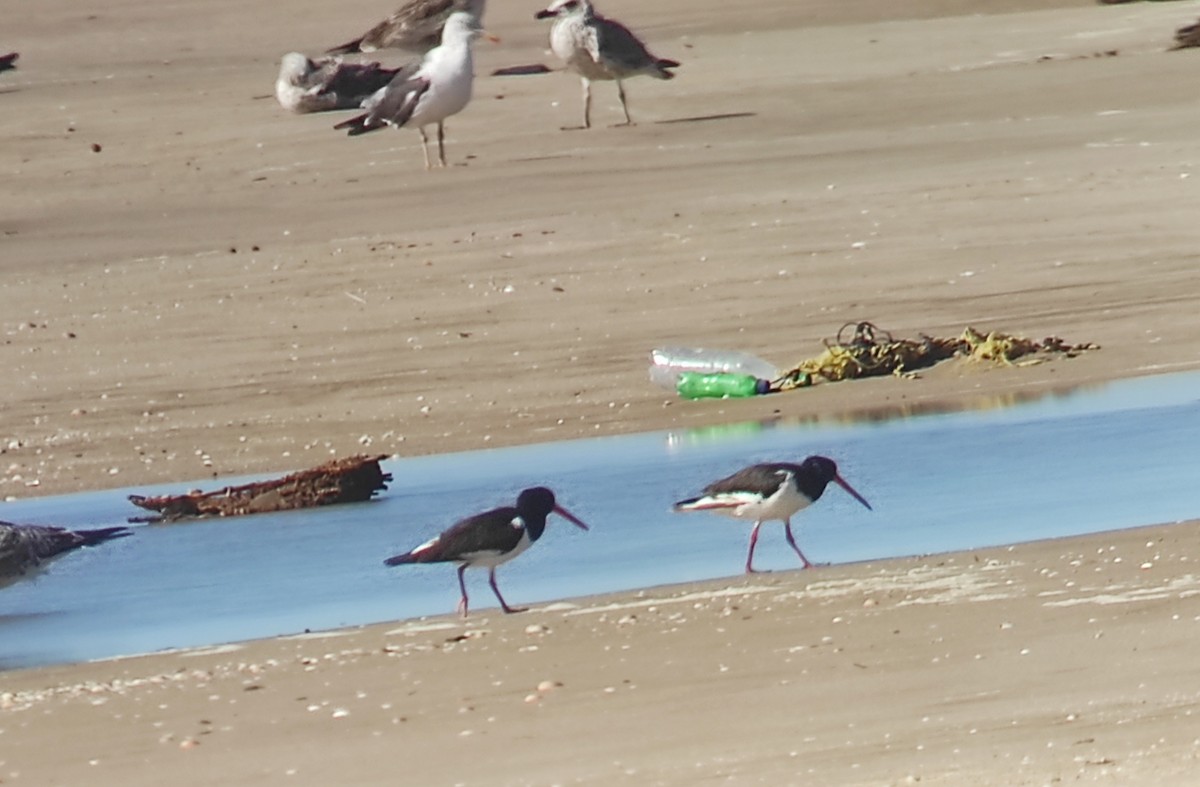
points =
(598, 48)
(25, 549)
(428, 92)
(414, 27)
(326, 83)
(770, 491)
(490, 539)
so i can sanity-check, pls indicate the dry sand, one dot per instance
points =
(197, 283)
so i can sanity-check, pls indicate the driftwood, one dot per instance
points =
(349, 480)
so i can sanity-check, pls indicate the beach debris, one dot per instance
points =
(866, 351)
(870, 351)
(352, 479)
(24, 549)
(1187, 36)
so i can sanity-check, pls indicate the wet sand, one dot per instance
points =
(198, 284)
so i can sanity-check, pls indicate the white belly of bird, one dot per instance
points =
(782, 505)
(446, 96)
(491, 558)
(569, 44)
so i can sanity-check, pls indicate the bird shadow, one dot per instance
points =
(522, 70)
(708, 118)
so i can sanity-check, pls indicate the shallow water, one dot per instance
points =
(1110, 457)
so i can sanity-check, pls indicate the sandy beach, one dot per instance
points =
(200, 285)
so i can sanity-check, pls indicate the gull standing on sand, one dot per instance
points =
(428, 92)
(599, 48)
(415, 27)
(306, 85)
(26, 548)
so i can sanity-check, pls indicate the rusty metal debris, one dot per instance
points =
(870, 352)
(352, 479)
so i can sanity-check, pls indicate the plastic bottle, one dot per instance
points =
(694, 385)
(668, 362)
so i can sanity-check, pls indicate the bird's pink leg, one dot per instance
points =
(503, 604)
(787, 529)
(750, 554)
(462, 584)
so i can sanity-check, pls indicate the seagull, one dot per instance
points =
(26, 548)
(306, 85)
(599, 48)
(9, 62)
(770, 491)
(427, 92)
(490, 539)
(415, 27)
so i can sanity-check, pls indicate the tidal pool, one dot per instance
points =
(1103, 458)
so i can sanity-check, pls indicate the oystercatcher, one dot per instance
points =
(596, 47)
(489, 539)
(26, 548)
(770, 491)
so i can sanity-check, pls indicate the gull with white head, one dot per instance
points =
(428, 92)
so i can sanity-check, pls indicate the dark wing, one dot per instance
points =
(354, 80)
(618, 48)
(395, 106)
(9, 62)
(348, 48)
(498, 531)
(418, 24)
(761, 479)
(391, 107)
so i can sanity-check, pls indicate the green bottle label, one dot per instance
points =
(694, 385)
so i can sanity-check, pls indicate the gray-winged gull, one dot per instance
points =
(307, 85)
(428, 92)
(599, 48)
(414, 27)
